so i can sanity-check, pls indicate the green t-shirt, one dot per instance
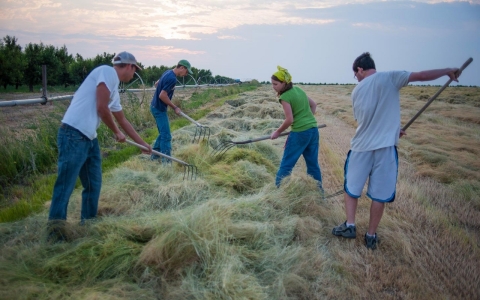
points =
(303, 117)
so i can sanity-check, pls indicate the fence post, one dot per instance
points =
(44, 84)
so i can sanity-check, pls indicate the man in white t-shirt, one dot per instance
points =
(96, 100)
(373, 154)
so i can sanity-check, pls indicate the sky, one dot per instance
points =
(317, 41)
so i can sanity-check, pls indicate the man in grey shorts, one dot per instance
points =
(373, 154)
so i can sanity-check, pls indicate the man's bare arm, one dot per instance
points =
(103, 98)
(130, 131)
(434, 74)
(164, 98)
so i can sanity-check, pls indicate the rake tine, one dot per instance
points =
(195, 136)
(225, 149)
(205, 130)
(199, 130)
(194, 172)
(186, 166)
(190, 171)
(220, 147)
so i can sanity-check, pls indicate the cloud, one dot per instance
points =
(160, 19)
(229, 37)
(315, 40)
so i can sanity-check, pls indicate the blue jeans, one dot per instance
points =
(301, 143)
(163, 143)
(78, 156)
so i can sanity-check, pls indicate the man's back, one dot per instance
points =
(166, 83)
(376, 107)
(82, 113)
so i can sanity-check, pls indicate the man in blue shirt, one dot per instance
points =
(160, 102)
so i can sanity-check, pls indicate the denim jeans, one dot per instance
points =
(163, 142)
(78, 156)
(301, 143)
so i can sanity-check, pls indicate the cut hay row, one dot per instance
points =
(231, 234)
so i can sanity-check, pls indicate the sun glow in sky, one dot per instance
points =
(316, 40)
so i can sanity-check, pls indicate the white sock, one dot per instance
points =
(371, 235)
(348, 224)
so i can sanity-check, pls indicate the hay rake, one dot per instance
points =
(223, 147)
(200, 130)
(460, 70)
(404, 128)
(190, 171)
(339, 192)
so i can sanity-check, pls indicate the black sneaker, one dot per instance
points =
(349, 232)
(371, 241)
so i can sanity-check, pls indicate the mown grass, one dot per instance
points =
(31, 158)
(231, 234)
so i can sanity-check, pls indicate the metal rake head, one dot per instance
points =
(201, 131)
(190, 172)
(223, 147)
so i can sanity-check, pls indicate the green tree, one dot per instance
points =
(79, 69)
(204, 76)
(152, 74)
(33, 71)
(36, 56)
(103, 59)
(65, 60)
(50, 59)
(12, 61)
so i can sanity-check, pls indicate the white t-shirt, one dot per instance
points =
(82, 113)
(376, 107)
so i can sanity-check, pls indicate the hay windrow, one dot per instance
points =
(232, 234)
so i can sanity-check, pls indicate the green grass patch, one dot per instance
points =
(33, 158)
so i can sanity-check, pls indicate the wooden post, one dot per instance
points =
(44, 84)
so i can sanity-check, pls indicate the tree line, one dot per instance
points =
(24, 66)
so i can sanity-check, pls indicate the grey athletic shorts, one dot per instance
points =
(379, 166)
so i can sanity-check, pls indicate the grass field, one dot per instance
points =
(231, 234)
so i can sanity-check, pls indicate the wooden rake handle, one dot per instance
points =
(190, 119)
(158, 153)
(266, 137)
(436, 95)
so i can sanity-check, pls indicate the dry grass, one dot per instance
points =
(430, 234)
(231, 234)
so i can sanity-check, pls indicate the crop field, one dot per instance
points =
(232, 234)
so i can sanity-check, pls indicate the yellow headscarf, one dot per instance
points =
(283, 75)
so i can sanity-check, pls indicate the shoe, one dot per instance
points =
(322, 193)
(155, 158)
(371, 242)
(57, 231)
(56, 235)
(349, 232)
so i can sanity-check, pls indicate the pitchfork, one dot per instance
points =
(199, 130)
(465, 64)
(225, 146)
(189, 171)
